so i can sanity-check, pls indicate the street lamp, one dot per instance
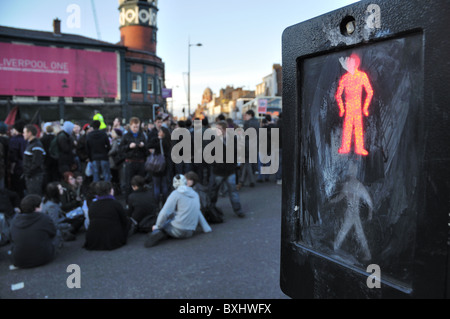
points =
(189, 74)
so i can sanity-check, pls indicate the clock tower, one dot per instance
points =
(138, 26)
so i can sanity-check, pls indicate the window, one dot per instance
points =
(150, 84)
(158, 86)
(136, 83)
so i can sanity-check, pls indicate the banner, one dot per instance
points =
(31, 70)
(262, 106)
(166, 93)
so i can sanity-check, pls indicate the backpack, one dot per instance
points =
(54, 148)
(211, 213)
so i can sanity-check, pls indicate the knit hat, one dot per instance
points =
(68, 127)
(179, 180)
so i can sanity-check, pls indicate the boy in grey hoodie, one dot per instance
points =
(181, 213)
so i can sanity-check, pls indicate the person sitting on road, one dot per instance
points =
(108, 223)
(142, 207)
(180, 214)
(51, 206)
(33, 235)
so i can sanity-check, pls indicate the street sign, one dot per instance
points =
(366, 176)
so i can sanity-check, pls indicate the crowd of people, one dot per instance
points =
(56, 180)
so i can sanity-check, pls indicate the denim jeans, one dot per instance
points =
(103, 167)
(230, 183)
(160, 187)
(176, 232)
(279, 172)
(247, 174)
(262, 176)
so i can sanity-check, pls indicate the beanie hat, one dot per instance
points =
(68, 127)
(179, 180)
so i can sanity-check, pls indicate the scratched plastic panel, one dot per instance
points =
(359, 196)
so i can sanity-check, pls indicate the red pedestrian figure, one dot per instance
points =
(352, 83)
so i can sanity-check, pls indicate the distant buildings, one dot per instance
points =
(231, 101)
(66, 76)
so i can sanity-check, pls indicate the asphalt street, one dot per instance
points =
(239, 259)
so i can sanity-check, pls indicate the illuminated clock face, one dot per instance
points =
(361, 147)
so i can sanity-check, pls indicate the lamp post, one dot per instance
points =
(189, 74)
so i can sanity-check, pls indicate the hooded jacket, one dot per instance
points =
(32, 239)
(184, 204)
(97, 145)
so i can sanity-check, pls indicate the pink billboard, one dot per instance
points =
(45, 71)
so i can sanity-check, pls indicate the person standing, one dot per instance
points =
(66, 147)
(4, 146)
(17, 145)
(50, 164)
(134, 147)
(162, 145)
(247, 167)
(98, 146)
(33, 161)
(224, 174)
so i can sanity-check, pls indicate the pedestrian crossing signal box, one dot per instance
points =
(366, 175)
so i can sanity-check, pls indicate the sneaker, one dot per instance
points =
(153, 238)
(240, 214)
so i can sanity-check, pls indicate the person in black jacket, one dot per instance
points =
(134, 147)
(50, 164)
(33, 235)
(98, 146)
(142, 207)
(224, 173)
(108, 222)
(33, 161)
(162, 144)
(66, 146)
(16, 147)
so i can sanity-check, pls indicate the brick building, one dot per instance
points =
(66, 77)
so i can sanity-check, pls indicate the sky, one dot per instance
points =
(241, 39)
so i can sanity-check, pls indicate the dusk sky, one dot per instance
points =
(241, 40)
